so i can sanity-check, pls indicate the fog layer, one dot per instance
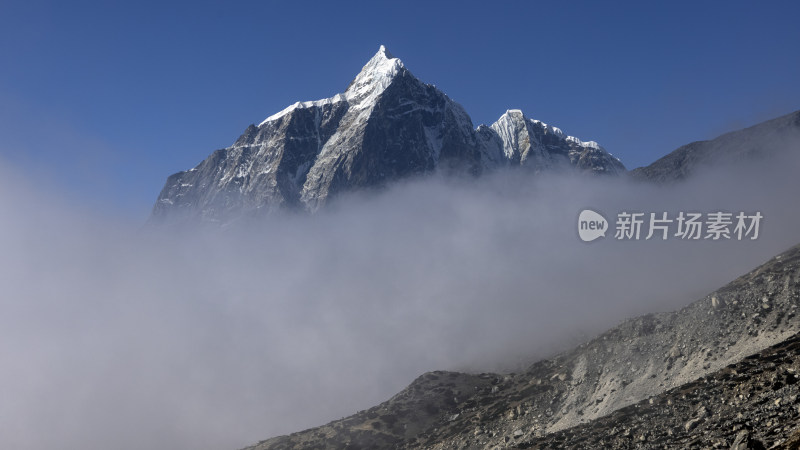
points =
(114, 337)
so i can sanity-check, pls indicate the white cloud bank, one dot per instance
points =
(115, 338)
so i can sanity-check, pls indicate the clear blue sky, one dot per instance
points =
(104, 100)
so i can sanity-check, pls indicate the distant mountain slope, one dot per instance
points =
(386, 126)
(760, 141)
(639, 359)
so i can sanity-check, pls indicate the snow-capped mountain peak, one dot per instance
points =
(373, 79)
(387, 125)
(375, 76)
(533, 143)
(382, 64)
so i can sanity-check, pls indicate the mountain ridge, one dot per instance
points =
(386, 126)
(761, 141)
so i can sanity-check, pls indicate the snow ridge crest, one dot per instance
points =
(374, 78)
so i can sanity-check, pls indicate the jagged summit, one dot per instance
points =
(385, 52)
(533, 143)
(382, 67)
(385, 126)
(382, 62)
(517, 116)
(374, 77)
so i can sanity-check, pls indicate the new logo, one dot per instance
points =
(591, 225)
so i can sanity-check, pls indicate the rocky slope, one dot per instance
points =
(752, 404)
(387, 125)
(654, 356)
(761, 141)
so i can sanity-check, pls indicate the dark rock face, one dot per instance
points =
(758, 142)
(672, 380)
(386, 126)
(412, 129)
